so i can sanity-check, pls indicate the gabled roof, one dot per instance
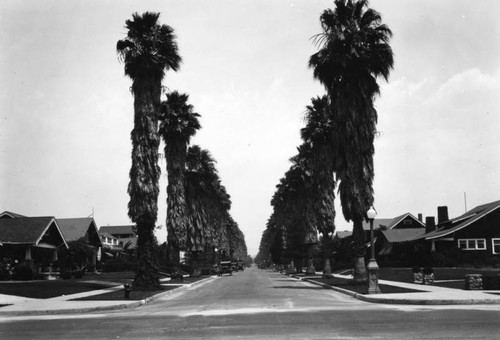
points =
(74, 229)
(118, 229)
(10, 214)
(464, 220)
(403, 235)
(377, 223)
(26, 230)
(389, 223)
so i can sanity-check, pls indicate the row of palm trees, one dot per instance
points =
(338, 138)
(198, 218)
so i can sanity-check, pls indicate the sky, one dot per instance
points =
(66, 109)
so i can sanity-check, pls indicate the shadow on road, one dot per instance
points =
(298, 287)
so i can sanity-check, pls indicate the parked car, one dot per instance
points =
(225, 268)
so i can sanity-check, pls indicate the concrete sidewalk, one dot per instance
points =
(19, 305)
(429, 295)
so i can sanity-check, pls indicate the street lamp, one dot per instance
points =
(372, 265)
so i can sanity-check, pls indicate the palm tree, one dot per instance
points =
(147, 52)
(178, 124)
(293, 205)
(354, 51)
(207, 204)
(318, 134)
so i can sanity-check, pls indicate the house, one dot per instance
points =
(8, 214)
(403, 222)
(392, 236)
(84, 232)
(112, 246)
(33, 241)
(475, 233)
(125, 233)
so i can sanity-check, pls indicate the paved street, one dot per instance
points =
(260, 304)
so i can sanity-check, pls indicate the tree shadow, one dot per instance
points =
(298, 287)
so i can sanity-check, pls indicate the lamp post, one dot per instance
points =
(372, 265)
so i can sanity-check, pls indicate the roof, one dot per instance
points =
(343, 234)
(74, 229)
(26, 230)
(118, 229)
(464, 220)
(10, 214)
(389, 223)
(377, 223)
(108, 235)
(402, 235)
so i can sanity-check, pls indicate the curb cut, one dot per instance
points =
(118, 306)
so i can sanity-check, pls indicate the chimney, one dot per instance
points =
(420, 217)
(442, 214)
(430, 225)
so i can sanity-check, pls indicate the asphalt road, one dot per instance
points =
(258, 304)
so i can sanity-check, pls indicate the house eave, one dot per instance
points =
(466, 224)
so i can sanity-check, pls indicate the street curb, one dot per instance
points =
(119, 306)
(392, 301)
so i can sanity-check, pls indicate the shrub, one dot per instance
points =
(417, 269)
(491, 282)
(8, 267)
(24, 273)
(65, 274)
(118, 265)
(428, 270)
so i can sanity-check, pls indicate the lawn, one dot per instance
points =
(47, 289)
(53, 288)
(363, 289)
(444, 277)
(139, 295)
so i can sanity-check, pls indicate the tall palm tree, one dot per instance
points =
(318, 134)
(207, 204)
(354, 51)
(178, 124)
(147, 52)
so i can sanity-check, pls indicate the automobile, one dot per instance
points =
(235, 266)
(241, 266)
(225, 268)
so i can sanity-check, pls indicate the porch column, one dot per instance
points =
(27, 254)
(93, 261)
(54, 255)
(27, 257)
(433, 246)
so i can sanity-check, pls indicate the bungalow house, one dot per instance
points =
(112, 246)
(474, 235)
(392, 236)
(82, 231)
(33, 241)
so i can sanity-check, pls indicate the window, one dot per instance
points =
(407, 222)
(495, 245)
(473, 244)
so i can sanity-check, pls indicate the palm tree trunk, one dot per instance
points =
(310, 260)
(196, 272)
(173, 251)
(175, 154)
(144, 184)
(359, 269)
(327, 269)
